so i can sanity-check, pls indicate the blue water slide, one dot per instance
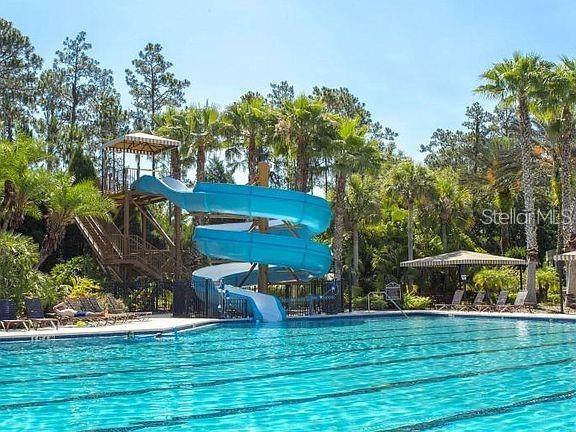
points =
(287, 246)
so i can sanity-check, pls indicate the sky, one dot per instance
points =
(414, 63)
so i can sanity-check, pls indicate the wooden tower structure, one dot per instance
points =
(123, 245)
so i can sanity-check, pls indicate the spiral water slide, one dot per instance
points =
(287, 246)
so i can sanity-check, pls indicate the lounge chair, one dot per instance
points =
(76, 305)
(93, 305)
(35, 314)
(519, 303)
(8, 316)
(479, 301)
(500, 302)
(456, 301)
(117, 307)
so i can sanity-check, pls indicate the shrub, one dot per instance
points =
(81, 266)
(413, 301)
(18, 275)
(84, 287)
(494, 280)
(548, 284)
(376, 303)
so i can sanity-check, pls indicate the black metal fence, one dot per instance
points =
(206, 302)
(314, 298)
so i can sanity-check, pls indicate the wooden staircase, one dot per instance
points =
(114, 253)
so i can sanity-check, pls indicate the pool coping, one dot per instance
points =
(209, 323)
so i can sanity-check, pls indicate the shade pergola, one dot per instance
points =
(141, 143)
(460, 259)
(568, 256)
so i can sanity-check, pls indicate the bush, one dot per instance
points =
(548, 284)
(413, 301)
(18, 275)
(376, 303)
(84, 287)
(494, 280)
(81, 266)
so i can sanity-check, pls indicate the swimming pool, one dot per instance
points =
(388, 374)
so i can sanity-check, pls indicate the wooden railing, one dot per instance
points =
(121, 179)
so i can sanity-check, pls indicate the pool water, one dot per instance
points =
(388, 374)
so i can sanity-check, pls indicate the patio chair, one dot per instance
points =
(456, 301)
(519, 303)
(8, 316)
(94, 306)
(117, 307)
(76, 304)
(500, 302)
(35, 314)
(479, 301)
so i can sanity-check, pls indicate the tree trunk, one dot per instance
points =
(355, 253)
(565, 179)
(410, 240)
(444, 235)
(252, 159)
(504, 237)
(529, 204)
(337, 242)
(301, 166)
(201, 162)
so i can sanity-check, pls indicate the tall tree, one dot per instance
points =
(78, 71)
(52, 106)
(152, 86)
(362, 206)
(407, 183)
(303, 128)
(197, 128)
(514, 81)
(19, 66)
(245, 125)
(352, 153)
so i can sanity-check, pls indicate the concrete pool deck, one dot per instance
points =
(155, 324)
(167, 324)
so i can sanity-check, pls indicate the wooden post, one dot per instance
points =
(175, 168)
(126, 229)
(263, 180)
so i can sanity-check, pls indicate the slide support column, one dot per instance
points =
(264, 181)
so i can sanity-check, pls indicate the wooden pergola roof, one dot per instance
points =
(141, 143)
(459, 258)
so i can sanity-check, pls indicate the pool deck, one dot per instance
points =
(167, 324)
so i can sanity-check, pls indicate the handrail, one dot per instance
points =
(387, 299)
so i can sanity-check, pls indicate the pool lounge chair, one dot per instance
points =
(93, 305)
(8, 316)
(519, 303)
(500, 301)
(479, 301)
(35, 314)
(456, 301)
(117, 307)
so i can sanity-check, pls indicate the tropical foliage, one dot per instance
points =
(483, 187)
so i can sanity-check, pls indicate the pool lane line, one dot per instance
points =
(165, 368)
(223, 381)
(481, 412)
(223, 412)
(21, 365)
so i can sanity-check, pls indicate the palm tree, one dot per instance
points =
(245, 123)
(557, 103)
(24, 183)
(66, 201)
(303, 128)
(407, 183)
(450, 202)
(515, 82)
(351, 153)
(197, 128)
(362, 206)
(502, 177)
